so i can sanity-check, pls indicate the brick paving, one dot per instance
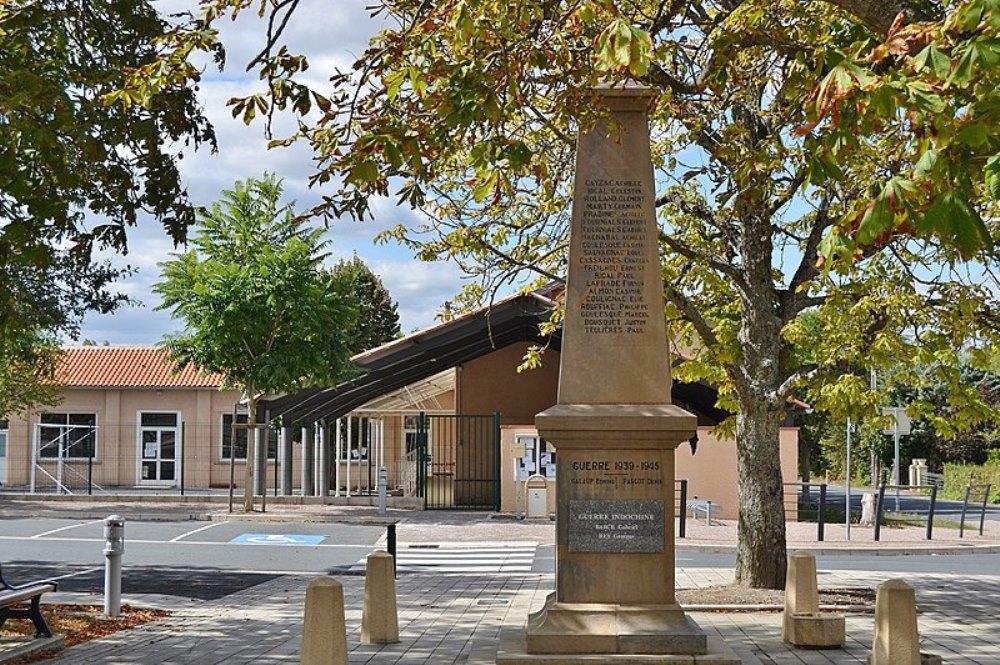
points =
(442, 617)
(446, 619)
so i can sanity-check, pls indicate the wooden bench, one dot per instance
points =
(14, 598)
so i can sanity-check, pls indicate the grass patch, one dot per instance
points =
(78, 624)
(900, 520)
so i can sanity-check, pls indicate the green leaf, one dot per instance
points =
(974, 134)
(952, 218)
(992, 173)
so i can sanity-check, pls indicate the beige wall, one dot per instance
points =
(710, 472)
(117, 412)
(491, 383)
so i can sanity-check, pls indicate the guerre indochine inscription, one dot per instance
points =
(616, 526)
(614, 248)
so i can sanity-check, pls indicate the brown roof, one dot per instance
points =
(127, 367)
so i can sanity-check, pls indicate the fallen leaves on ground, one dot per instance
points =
(80, 623)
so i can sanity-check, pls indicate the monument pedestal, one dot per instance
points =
(606, 628)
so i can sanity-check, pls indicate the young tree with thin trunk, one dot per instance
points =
(256, 305)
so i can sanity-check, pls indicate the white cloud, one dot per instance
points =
(332, 34)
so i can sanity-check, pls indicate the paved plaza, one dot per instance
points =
(455, 617)
(446, 619)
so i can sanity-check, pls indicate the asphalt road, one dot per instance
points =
(945, 508)
(210, 560)
(188, 559)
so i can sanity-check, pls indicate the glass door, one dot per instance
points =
(159, 435)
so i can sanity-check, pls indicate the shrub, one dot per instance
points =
(957, 476)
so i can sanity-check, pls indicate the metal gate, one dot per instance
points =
(459, 461)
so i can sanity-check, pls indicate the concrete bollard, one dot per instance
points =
(896, 640)
(379, 621)
(324, 632)
(802, 623)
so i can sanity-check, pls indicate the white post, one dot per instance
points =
(338, 448)
(350, 441)
(114, 548)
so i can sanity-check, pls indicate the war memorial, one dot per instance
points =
(614, 425)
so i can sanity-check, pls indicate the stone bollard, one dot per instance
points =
(379, 621)
(896, 640)
(802, 623)
(324, 633)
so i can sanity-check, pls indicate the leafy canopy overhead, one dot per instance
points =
(510, 78)
(76, 169)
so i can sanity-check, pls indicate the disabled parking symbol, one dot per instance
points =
(277, 539)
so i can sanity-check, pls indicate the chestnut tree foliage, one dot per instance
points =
(834, 157)
(76, 170)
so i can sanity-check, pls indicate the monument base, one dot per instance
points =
(512, 650)
(604, 628)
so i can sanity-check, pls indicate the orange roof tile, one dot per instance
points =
(127, 367)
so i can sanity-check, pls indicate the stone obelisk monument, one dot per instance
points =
(614, 427)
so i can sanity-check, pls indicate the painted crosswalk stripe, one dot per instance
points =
(470, 560)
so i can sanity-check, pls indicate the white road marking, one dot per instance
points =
(65, 528)
(76, 574)
(194, 531)
(365, 546)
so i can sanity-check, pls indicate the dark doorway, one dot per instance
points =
(459, 461)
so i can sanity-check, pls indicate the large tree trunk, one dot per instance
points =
(760, 549)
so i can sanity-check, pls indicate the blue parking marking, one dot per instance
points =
(277, 539)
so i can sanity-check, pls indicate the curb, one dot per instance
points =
(862, 550)
(28, 646)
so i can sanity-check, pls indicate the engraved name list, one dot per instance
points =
(614, 256)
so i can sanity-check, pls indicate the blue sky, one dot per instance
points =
(332, 34)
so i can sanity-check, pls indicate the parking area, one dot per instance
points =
(188, 559)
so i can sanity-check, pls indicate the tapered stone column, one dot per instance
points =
(614, 427)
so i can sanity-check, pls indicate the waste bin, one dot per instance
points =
(538, 496)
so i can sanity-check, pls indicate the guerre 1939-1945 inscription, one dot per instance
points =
(614, 256)
(616, 525)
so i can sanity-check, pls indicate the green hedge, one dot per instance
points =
(957, 476)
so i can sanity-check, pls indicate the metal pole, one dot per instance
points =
(90, 462)
(930, 512)
(682, 530)
(338, 448)
(878, 511)
(847, 496)
(821, 514)
(232, 458)
(183, 424)
(982, 514)
(307, 460)
(390, 543)
(965, 504)
(895, 463)
(323, 460)
(350, 441)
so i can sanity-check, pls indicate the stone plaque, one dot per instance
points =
(615, 525)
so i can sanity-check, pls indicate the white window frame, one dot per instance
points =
(61, 451)
(178, 443)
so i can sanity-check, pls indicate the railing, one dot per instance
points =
(880, 516)
(980, 496)
(807, 502)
